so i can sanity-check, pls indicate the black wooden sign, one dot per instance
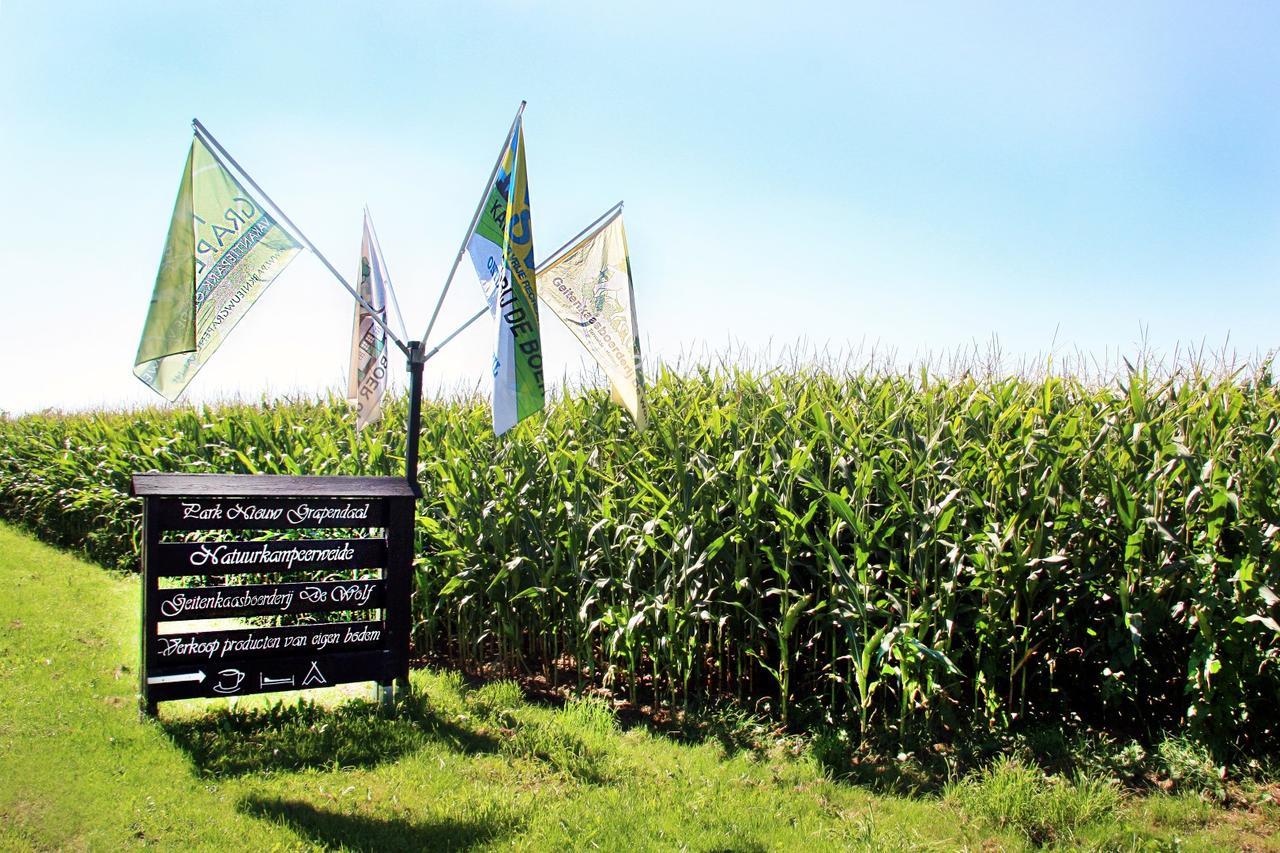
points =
(363, 576)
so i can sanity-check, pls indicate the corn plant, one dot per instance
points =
(909, 553)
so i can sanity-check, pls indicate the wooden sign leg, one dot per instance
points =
(150, 592)
(399, 578)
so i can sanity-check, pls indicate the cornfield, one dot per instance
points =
(895, 552)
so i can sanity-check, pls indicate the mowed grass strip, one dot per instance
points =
(457, 768)
(77, 768)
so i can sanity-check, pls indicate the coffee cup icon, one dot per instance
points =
(228, 681)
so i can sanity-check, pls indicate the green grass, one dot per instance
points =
(1011, 794)
(457, 767)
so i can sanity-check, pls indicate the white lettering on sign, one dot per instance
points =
(253, 512)
(199, 511)
(320, 641)
(187, 646)
(194, 646)
(299, 515)
(181, 602)
(224, 555)
(362, 635)
(313, 595)
(357, 595)
(320, 514)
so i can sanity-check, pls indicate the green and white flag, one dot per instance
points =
(501, 249)
(368, 377)
(588, 286)
(222, 252)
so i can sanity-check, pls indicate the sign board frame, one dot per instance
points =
(209, 663)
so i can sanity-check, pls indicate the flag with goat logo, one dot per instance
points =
(588, 286)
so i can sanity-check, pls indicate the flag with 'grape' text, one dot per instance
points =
(223, 251)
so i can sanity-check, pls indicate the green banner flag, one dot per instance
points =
(222, 252)
(501, 250)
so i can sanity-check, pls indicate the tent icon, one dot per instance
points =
(314, 676)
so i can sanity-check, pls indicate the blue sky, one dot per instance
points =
(916, 178)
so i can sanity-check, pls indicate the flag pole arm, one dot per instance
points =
(208, 137)
(476, 316)
(471, 227)
(603, 218)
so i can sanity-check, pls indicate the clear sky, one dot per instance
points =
(917, 177)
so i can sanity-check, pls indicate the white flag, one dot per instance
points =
(368, 377)
(588, 286)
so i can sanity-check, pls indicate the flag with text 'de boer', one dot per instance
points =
(368, 377)
(588, 287)
(222, 252)
(501, 250)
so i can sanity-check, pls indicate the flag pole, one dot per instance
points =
(417, 360)
(415, 363)
(601, 220)
(208, 137)
(391, 288)
(462, 250)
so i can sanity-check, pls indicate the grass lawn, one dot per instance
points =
(457, 768)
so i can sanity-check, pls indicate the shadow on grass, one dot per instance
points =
(883, 764)
(334, 830)
(305, 735)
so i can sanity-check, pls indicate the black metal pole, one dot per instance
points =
(416, 361)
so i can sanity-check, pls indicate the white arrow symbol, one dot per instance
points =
(170, 679)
